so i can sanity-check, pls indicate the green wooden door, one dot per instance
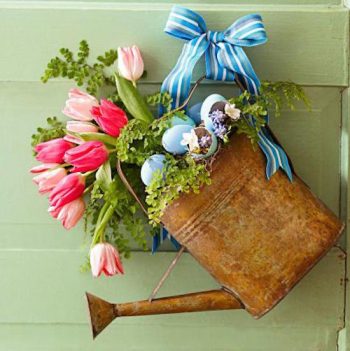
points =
(41, 295)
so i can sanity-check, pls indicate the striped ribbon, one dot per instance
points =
(225, 60)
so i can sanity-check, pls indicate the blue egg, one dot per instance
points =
(172, 139)
(206, 107)
(195, 113)
(183, 120)
(212, 149)
(151, 165)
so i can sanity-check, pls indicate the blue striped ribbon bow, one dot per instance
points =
(225, 60)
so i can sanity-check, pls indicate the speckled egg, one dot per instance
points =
(152, 164)
(206, 107)
(183, 120)
(172, 139)
(195, 113)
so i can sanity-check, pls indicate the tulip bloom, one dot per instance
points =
(130, 63)
(79, 105)
(104, 258)
(110, 117)
(43, 167)
(68, 189)
(70, 213)
(79, 127)
(52, 151)
(87, 156)
(46, 181)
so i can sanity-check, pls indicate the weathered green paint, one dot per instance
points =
(309, 315)
(41, 304)
(306, 45)
(344, 337)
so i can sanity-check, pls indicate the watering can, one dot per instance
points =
(256, 237)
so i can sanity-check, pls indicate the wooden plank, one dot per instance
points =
(344, 344)
(45, 286)
(184, 2)
(158, 337)
(314, 58)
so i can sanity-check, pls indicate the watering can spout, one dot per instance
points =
(103, 313)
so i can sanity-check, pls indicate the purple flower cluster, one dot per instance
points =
(219, 122)
(205, 141)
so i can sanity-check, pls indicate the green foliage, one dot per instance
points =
(158, 98)
(254, 109)
(113, 213)
(55, 129)
(78, 69)
(138, 141)
(282, 94)
(133, 100)
(180, 175)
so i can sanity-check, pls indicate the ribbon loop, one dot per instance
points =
(184, 23)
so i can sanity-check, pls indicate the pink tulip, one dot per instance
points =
(68, 189)
(46, 181)
(70, 213)
(87, 156)
(104, 258)
(130, 63)
(43, 167)
(73, 139)
(110, 117)
(52, 151)
(79, 127)
(79, 105)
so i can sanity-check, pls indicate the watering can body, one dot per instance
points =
(256, 237)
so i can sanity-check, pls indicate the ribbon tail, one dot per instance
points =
(275, 156)
(160, 237)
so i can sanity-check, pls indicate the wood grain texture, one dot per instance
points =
(305, 45)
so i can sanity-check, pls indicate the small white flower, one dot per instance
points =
(232, 111)
(190, 139)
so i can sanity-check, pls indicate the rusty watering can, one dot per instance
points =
(256, 237)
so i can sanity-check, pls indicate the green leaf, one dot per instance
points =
(76, 67)
(89, 136)
(133, 100)
(104, 176)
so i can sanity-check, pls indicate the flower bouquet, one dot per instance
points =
(210, 172)
(171, 154)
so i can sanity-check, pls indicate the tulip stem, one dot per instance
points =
(104, 216)
(86, 174)
(89, 188)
